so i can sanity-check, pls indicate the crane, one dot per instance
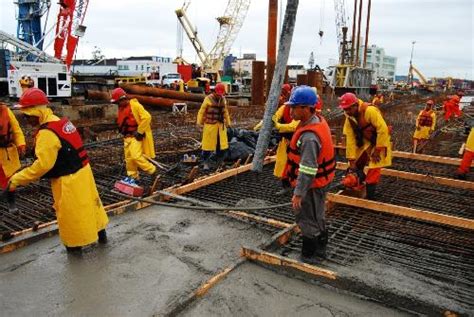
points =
(29, 21)
(229, 27)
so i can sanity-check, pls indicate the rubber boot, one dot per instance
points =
(74, 250)
(321, 244)
(11, 202)
(102, 236)
(370, 190)
(307, 251)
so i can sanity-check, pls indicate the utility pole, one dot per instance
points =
(410, 73)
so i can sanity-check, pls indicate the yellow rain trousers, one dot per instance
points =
(424, 132)
(281, 153)
(9, 159)
(353, 152)
(134, 150)
(79, 210)
(211, 132)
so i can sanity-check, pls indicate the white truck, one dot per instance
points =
(169, 78)
(53, 78)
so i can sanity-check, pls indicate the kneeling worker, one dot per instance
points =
(135, 125)
(310, 169)
(60, 156)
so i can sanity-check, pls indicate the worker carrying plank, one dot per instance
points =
(135, 125)
(310, 169)
(61, 157)
(214, 117)
(425, 125)
(367, 139)
(12, 146)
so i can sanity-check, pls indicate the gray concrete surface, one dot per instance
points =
(252, 290)
(153, 257)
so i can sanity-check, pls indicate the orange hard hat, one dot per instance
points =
(220, 89)
(117, 94)
(32, 97)
(286, 88)
(347, 100)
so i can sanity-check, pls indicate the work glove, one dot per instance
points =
(375, 157)
(139, 136)
(21, 150)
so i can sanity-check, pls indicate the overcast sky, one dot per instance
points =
(443, 30)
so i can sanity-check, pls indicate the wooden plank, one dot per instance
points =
(403, 211)
(277, 260)
(264, 220)
(419, 177)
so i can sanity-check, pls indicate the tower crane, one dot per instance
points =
(229, 27)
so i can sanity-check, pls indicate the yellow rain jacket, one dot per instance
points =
(470, 141)
(135, 150)
(212, 131)
(424, 132)
(9, 159)
(281, 153)
(353, 152)
(79, 210)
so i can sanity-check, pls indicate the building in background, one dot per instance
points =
(294, 71)
(243, 66)
(384, 66)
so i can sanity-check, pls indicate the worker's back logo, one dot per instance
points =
(69, 128)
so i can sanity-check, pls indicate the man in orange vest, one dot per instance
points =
(135, 125)
(367, 140)
(61, 157)
(425, 124)
(12, 146)
(310, 169)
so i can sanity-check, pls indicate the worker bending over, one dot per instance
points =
(467, 157)
(12, 146)
(135, 125)
(61, 157)
(310, 169)
(425, 125)
(214, 117)
(451, 106)
(367, 140)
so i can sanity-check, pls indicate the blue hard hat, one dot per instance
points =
(302, 95)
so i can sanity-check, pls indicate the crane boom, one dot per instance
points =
(191, 32)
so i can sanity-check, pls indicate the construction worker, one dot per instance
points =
(467, 157)
(425, 125)
(12, 146)
(181, 85)
(26, 82)
(451, 107)
(135, 125)
(310, 169)
(214, 117)
(60, 156)
(378, 100)
(367, 140)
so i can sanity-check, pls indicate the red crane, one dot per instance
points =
(69, 28)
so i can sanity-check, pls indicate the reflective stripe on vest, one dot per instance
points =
(425, 119)
(72, 156)
(5, 128)
(126, 121)
(326, 161)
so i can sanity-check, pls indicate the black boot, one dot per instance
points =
(11, 202)
(307, 250)
(321, 244)
(74, 250)
(102, 236)
(370, 190)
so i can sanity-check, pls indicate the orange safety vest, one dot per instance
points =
(363, 129)
(215, 112)
(126, 121)
(326, 160)
(5, 128)
(425, 119)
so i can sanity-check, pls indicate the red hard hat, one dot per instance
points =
(32, 97)
(430, 102)
(286, 88)
(220, 89)
(117, 94)
(347, 100)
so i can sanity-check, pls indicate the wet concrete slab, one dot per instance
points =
(252, 290)
(153, 258)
